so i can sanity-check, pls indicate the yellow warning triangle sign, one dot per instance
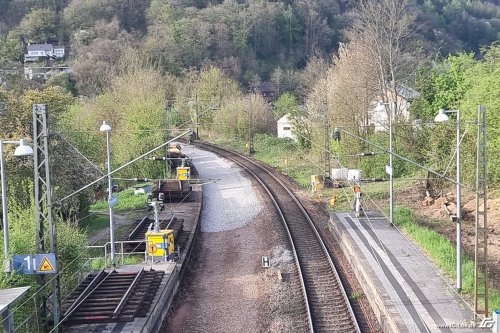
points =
(45, 265)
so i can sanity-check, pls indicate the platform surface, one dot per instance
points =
(9, 296)
(410, 285)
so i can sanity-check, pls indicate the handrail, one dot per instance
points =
(84, 293)
(125, 297)
(136, 229)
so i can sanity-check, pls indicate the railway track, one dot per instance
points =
(325, 299)
(107, 297)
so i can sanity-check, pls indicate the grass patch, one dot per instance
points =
(126, 200)
(286, 156)
(94, 223)
(100, 263)
(443, 252)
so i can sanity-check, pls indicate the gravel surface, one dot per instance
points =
(229, 201)
(225, 288)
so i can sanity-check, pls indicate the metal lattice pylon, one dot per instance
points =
(481, 239)
(43, 204)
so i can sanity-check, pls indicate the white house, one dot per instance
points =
(36, 51)
(378, 113)
(285, 128)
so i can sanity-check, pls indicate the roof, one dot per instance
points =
(285, 118)
(9, 296)
(40, 47)
(266, 86)
(407, 92)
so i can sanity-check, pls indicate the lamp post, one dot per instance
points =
(22, 149)
(105, 127)
(442, 117)
(390, 168)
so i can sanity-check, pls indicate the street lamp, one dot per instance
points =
(106, 128)
(22, 149)
(390, 168)
(442, 117)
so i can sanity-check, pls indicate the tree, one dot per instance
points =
(286, 103)
(290, 27)
(212, 89)
(63, 80)
(83, 14)
(11, 48)
(40, 25)
(385, 31)
(134, 105)
(482, 81)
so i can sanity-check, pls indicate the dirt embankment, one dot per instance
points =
(443, 208)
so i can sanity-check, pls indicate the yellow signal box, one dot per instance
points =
(183, 173)
(159, 241)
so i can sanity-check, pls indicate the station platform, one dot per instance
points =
(403, 286)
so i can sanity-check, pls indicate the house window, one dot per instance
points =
(286, 128)
(264, 94)
(271, 94)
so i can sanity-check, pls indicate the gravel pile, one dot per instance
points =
(229, 201)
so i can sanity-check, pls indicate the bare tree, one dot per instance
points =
(385, 29)
(353, 85)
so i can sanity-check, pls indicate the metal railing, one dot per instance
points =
(120, 251)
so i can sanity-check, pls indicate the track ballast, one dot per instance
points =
(326, 302)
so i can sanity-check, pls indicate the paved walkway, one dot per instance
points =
(408, 293)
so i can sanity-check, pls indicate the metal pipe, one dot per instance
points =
(391, 175)
(110, 196)
(120, 168)
(459, 210)
(5, 214)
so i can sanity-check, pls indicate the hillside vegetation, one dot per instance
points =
(156, 68)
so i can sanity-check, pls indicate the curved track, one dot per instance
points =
(326, 302)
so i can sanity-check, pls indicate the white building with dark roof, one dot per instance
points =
(378, 113)
(285, 127)
(37, 51)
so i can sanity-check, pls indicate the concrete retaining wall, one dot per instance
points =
(171, 284)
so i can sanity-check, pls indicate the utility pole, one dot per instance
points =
(43, 205)
(481, 239)
(392, 109)
(326, 148)
(167, 137)
(197, 115)
(250, 129)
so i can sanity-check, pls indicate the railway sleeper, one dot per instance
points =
(99, 305)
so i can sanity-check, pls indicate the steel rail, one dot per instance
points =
(127, 294)
(136, 229)
(69, 313)
(84, 293)
(294, 252)
(311, 225)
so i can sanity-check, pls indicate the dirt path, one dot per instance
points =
(121, 222)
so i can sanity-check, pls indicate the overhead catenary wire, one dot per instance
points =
(371, 249)
(417, 249)
(76, 192)
(405, 159)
